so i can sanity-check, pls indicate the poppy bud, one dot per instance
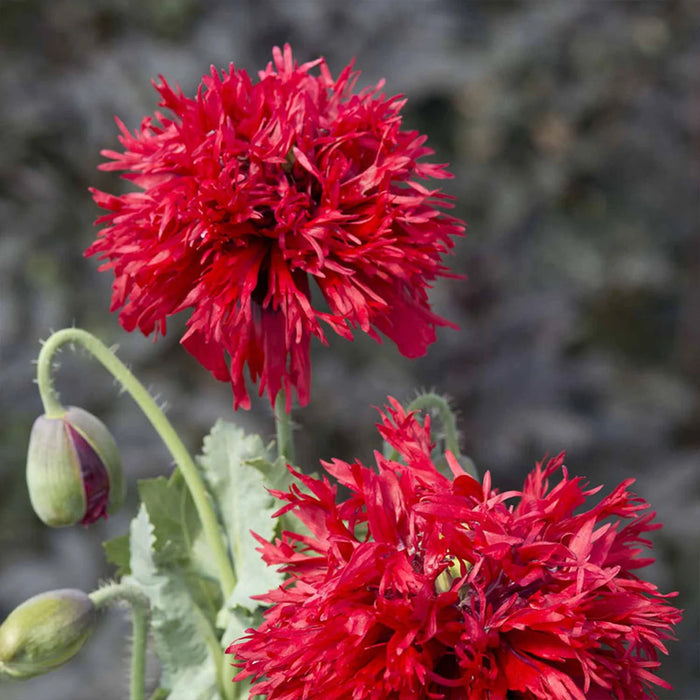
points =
(74, 472)
(45, 631)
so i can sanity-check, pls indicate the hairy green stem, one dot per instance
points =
(432, 401)
(155, 415)
(120, 592)
(283, 428)
(112, 593)
(138, 653)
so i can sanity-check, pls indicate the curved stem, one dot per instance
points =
(112, 593)
(117, 592)
(155, 415)
(283, 428)
(431, 401)
(427, 402)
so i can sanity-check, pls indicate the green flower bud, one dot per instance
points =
(45, 631)
(74, 471)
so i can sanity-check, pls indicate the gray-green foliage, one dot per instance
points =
(231, 465)
(181, 632)
(167, 557)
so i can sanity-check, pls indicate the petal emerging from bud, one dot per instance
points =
(74, 472)
(45, 631)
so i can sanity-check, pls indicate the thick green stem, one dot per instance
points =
(138, 653)
(226, 673)
(155, 415)
(283, 428)
(118, 592)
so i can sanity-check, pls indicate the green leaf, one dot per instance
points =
(276, 474)
(240, 490)
(179, 538)
(117, 553)
(159, 694)
(239, 620)
(165, 503)
(279, 478)
(185, 642)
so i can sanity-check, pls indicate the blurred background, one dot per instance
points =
(572, 129)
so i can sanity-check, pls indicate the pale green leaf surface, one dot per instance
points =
(240, 620)
(276, 474)
(184, 641)
(173, 525)
(177, 528)
(202, 560)
(179, 538)
(117, 553)
(240, 490)
(280, 478)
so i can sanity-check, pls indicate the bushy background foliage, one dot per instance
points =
(572, 129)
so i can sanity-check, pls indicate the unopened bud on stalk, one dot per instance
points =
(74, 471)
(45, 631)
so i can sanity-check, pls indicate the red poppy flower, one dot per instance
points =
(251, 190)
(416, 586)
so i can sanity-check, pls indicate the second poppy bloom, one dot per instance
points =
(254, 190)
(418, 586)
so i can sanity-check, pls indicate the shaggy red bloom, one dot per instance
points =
(252, 189)
(421, 587)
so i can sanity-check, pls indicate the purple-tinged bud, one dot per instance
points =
(45, 631)
(74, 471)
